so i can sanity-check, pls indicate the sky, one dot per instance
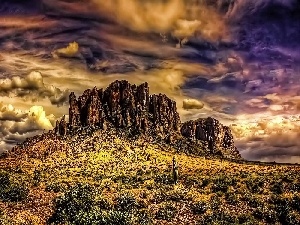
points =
(235, 60)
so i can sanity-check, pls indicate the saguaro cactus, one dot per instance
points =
(175, 170)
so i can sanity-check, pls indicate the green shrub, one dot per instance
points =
(222, 183)
(115, 217)
(163, 178)
(255, 184)
(79, 200)
(166, 212)
(81, 205)
(4, 179)
(199, 207)
(295, 202)
(205, 182)
(97, 216)
(283, 208)
(258, 213)
(177, 195)
(252, 201)
(159, 196)
(246, 219)
(190, 181)
(219, 217)
(291, 219)
(99, 177)
(269, 216)
(56, 187)
(15, 193)
(231, 198)
(103, 203)
(215, 202)
(265, 213)
(10, 190)
(144, 217)
(295, 187)
(277, 188)
(126, 202)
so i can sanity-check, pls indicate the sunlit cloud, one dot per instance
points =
(32, 86)
(263, 135)
(72, 50)
(179, 17)
(192, 104)
(16, 125)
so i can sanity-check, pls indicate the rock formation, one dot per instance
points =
(125, 106)
(219, 137)
(62, 126)
(131, 107)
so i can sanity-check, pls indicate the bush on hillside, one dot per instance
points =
(126, 202)
(199, 207)
(255, 184)
(166, 212)
(11, 190)
(222, 183)
(82, 204)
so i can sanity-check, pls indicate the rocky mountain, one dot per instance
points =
(129, 111)
(218, 137)
(124, 105)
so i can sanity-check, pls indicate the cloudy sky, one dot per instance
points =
(235, 60)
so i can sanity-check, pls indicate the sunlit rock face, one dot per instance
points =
(124, 105)
(219, 137)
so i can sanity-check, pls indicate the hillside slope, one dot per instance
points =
(126, 182)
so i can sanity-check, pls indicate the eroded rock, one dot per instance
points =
(125, 106)
(219, 137)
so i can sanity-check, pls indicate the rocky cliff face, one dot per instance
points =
(123, 105)
(219, 137)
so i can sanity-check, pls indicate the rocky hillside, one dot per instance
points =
(107, 179)
(130, 112)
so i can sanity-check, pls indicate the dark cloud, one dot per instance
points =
(13, 7)
(266, 25)
(259, 151)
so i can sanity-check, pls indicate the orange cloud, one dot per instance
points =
(178, 17)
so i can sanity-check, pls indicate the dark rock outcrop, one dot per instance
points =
(125, 106)
(74, 114)
(62, 127)
(131, 107)
(219, 137)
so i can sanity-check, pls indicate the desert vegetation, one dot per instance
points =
(124, 183)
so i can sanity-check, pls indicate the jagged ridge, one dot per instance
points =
(130, 110)
(125, 106)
